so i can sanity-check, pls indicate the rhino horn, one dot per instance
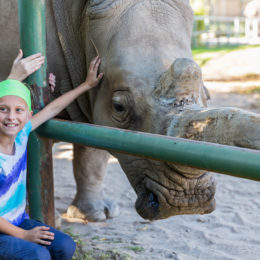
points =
(183, 83)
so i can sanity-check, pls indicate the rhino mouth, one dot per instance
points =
(156, 201)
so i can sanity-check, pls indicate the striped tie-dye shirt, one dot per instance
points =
(13, 180)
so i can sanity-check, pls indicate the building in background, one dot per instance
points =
(219, 7)
(227, 7)
(219, 22)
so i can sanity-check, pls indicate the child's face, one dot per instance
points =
(14, 114)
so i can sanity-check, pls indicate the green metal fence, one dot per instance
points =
(212, 157)
(208, 156)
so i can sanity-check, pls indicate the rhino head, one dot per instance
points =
(149, 76)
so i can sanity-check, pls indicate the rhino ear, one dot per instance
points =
(182, 83)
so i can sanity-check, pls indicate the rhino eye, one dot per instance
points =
(118, 107)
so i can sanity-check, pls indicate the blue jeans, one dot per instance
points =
(12, 248)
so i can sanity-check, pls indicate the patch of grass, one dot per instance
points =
(204, 61)
(242, 77)
(225, 49)
(79, 254)
(251, 76)
(136, 249)
(95, 238)
(94, 254)
(107, 240)
(103, 255)
(251, 90)
(203, 55)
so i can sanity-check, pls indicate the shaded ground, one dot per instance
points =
(230, 232)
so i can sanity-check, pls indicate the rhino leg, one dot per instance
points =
(89, 166)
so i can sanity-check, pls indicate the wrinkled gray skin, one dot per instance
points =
(150, 84)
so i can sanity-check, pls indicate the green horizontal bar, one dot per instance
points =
(225, 159)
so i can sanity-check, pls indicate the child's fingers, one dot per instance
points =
(93, 62)
(33, 66)
(40, 59)
(47, 235)
(19, 56)
(97, 64)
(43, 228)
(34, 56)
(52, 81)
(100, 76)
(43, 242)
(50, 234)
(52, 85)
(52, 78)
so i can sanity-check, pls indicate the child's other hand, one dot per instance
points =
(52, 82)
(93, 77)
(23, 67)
(39, 235)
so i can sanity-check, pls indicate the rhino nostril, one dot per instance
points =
(153, 201)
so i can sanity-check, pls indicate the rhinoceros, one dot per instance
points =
(150, 84)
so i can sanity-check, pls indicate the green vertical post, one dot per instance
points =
(40, 177)
(33, 34)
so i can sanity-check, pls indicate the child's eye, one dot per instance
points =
(19, 110)
(3, 109)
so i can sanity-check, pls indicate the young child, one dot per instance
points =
(21, 237)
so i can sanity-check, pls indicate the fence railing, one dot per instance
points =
(218, 30)
(230, 160)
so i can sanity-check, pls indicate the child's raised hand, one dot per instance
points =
(93, 77)
(57, 105)
(23, 67)
(39, 235)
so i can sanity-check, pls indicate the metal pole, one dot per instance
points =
(40, 180)
(225, 159)
(40, 176)
(33, 40)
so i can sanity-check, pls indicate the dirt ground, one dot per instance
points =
(232, 231)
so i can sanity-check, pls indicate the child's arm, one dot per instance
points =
(23, 67)
(37, 235)
(56, 106)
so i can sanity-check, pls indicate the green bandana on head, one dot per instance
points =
(11, 87)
